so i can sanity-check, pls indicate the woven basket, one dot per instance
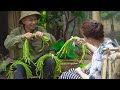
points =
(67, 64)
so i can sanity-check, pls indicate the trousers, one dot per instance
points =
(48, 68)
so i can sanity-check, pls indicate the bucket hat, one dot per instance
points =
(28, 13)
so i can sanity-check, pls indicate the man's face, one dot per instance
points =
(30, 22)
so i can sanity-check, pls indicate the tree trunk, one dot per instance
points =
(112, 24)
(96, 15)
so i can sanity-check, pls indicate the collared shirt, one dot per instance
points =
(14, 41)
(97, 59)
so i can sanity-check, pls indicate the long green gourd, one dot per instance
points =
(84, 52)
(26, 53)
(40, 63)
(65, 49)
(27, 69)
(45, 40)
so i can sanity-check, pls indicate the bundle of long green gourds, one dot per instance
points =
(27, 60)
(65, 49)
(26, 53)
(26, 57)
(39, 66)
(44, 40)
(27, 69)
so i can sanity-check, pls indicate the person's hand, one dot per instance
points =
(39, 34)
(27, 35)
(78, 70)
(80, 41)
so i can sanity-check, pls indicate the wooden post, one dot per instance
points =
(105, 63)
(96, 15)
(110, 69)
(104, 67)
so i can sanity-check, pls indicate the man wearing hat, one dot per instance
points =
(15, 40)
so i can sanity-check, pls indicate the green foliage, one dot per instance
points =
(117, 16)
(3, 66)
(105, 15)
(80, 14)
(72, 55)
(108, 14)
(42, 19)
(55, 21)
(57, 46)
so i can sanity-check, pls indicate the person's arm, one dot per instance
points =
(12, 40)
(91, 47)
(81, 73)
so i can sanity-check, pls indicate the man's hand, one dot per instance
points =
(27, 35)
(39, 34)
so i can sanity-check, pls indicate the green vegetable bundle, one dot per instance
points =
(84, 51)
(45, 41)
(40, 63)
(65, 49)
(26, 53)
(27, 69)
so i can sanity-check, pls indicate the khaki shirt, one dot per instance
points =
(15, 42)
